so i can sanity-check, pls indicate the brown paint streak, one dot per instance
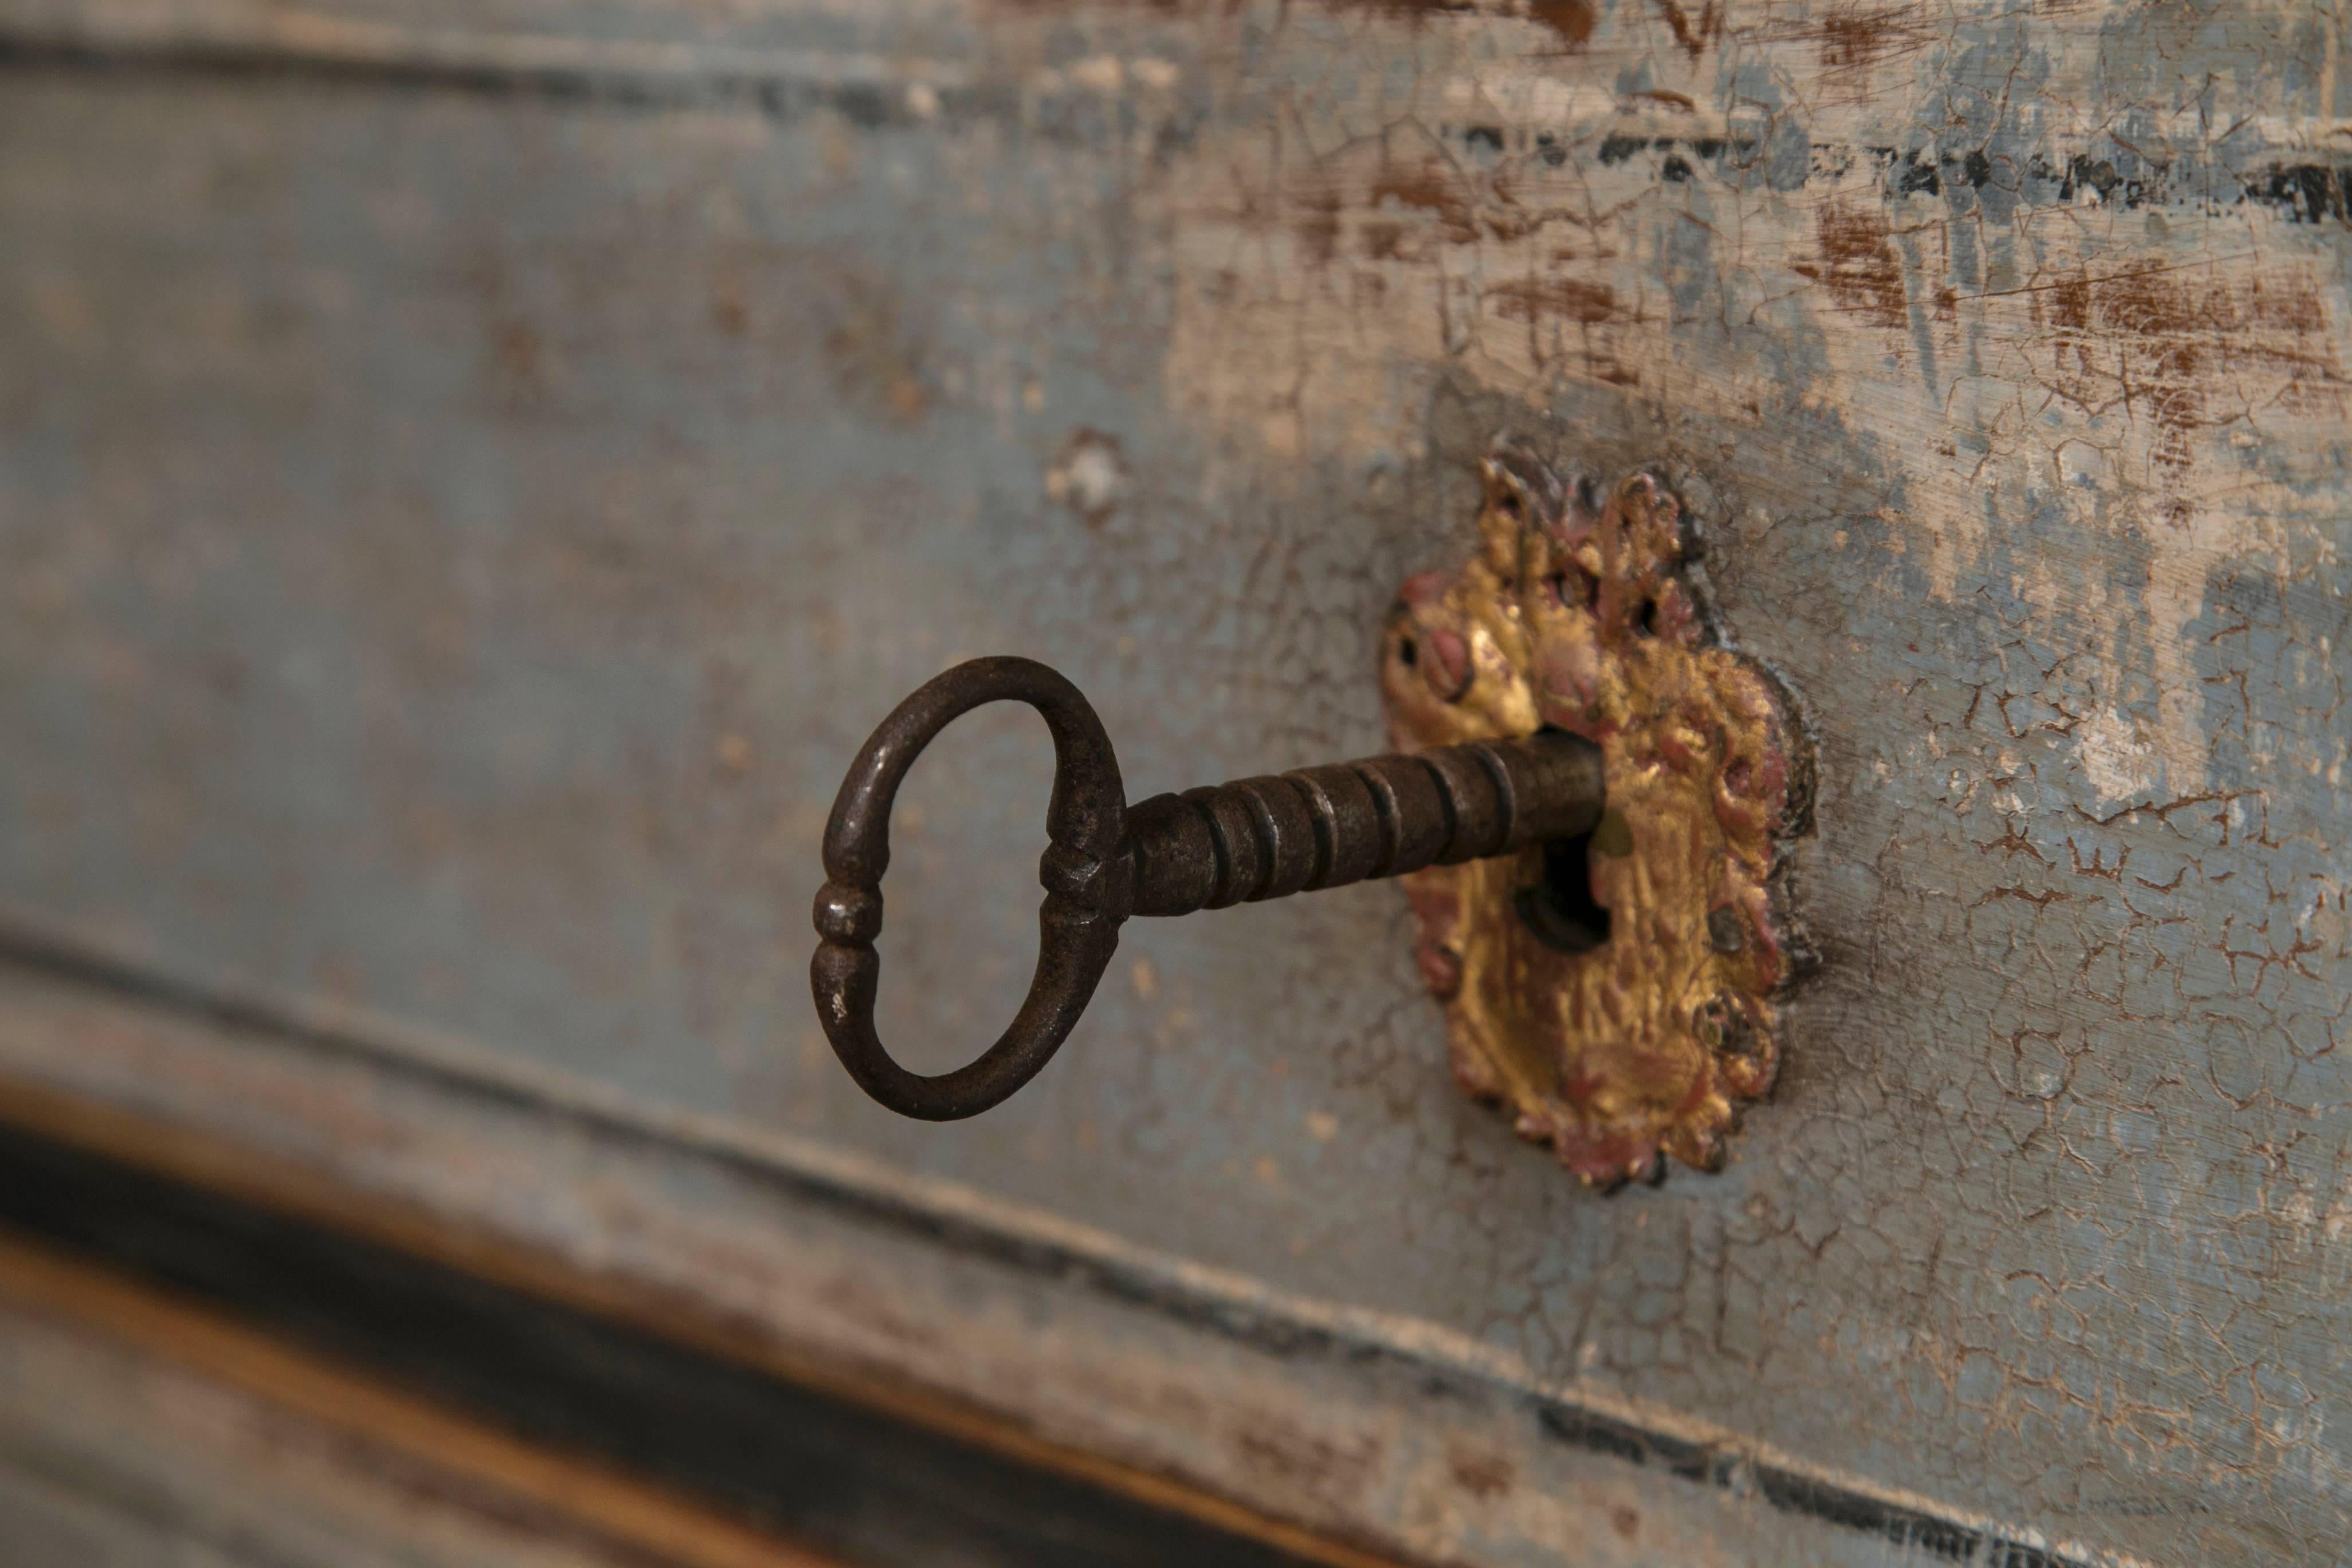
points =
(1555, 299)
(1572, 19)
(1853, 39)
(1431, 189)
(2159, 340)
(1694, 35)
(1858, 265)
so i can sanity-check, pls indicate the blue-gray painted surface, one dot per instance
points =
(455, 528)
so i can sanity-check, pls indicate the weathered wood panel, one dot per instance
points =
(135, 1431)
(465, 498)
(1056, 1344)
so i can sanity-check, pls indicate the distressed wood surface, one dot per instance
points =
(135, 1430)
(468, 481)
(1344, 1436)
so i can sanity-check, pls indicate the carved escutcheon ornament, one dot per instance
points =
(1616, 993)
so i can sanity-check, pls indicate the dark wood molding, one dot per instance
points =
(416, 1445)
(423, 1351)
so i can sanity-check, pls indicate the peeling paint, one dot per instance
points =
(390, 653)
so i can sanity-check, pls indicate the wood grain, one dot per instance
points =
(431, 1451)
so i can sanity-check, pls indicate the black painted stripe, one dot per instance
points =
(503, 67)
(824, 1471)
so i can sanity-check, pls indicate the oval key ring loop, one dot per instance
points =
(1089, 881)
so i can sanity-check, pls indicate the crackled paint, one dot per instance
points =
(465, 498)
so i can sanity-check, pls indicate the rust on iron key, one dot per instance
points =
(1207, 848)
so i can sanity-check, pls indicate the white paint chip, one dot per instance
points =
(2118, 764)
(1089, 476)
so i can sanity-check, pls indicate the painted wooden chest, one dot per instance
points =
(472, 475)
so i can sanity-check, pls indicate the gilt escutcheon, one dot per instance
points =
(1617, 994)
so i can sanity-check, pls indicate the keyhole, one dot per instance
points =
(1560, 909)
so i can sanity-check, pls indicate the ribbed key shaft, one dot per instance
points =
(1327, 826)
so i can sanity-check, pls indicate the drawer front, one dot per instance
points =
(468, 482)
